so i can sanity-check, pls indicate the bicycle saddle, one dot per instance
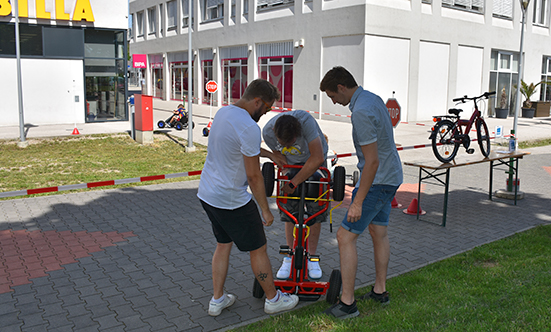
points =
(455, 111)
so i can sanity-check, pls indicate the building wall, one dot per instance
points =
(52, 87)
(425, 52)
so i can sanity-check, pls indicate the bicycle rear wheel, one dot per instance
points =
(483, 137)
(444, 144)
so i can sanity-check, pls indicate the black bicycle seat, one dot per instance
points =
(455, 111)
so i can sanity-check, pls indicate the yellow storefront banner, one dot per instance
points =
(82, 10)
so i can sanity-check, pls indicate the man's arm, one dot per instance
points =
(312, 164)
(274, 156)
(366, 180)
(256, 183)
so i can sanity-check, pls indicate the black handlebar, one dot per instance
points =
(484, 95)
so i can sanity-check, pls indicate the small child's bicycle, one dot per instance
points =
(451, 131)
(298, 281)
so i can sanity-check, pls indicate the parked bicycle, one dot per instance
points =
(451, 131)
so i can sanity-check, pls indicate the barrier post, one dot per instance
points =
(143, 118)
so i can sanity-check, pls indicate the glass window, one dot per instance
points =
(279, 71)
(162, 15)
(139, 24)
(105, 89)
(266, 4)
(503, 8)
(541, 11)
(151, 21)
(171, 14)
(179, 74)
(234, 72)
(503, 77)
(212, 9)
(470, 5)
(7, 39)
(185, 13)
(99, 44)
(61, 42)
(207, 76)
(545, 91)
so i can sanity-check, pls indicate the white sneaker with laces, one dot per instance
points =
(285, 269)
(285, 302)
(314, 270)
(216, 308)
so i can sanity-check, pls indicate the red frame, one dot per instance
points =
(299, 283)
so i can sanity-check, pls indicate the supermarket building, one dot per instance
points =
(73, 61)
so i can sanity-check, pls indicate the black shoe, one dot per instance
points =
(342, 311)
(383, 298)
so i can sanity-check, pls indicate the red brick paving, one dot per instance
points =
(405, 194)
(547, 169)
(25, 255)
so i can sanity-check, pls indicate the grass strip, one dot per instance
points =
(501, 286)
(89, 158)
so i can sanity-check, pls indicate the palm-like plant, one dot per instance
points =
(528, 91)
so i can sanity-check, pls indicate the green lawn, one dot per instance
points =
(501, 286)
(72, 160)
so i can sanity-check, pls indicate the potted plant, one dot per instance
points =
(502, 111)
(528, 91)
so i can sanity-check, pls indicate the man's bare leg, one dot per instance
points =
(349, 263)
(381, 251)
(220, 263)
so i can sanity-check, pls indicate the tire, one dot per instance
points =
(161, 124)
(335, 284)
(339, 177)
(192, 125)
(483, 137)
(269, 175)
(178, 125)
(444, 145)
(258, 292)
(355, 177)
(206, 131)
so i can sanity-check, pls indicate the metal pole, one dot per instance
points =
(23, 142)
(190, 147)
(524, 6)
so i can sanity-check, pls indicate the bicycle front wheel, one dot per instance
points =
(483, 137)
(444, 144)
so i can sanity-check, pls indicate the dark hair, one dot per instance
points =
(337, 75)
(287, 128)
(262, 89)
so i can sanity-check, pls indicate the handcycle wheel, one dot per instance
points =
(339, 177)
(206, 131)
(161, 124)
(335, 284)
(444, 145)
(269, 176)
(258, 292)
(355, 177)
(483, 137)
(192, 125)
(178, 126)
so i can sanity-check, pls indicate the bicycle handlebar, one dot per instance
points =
(484, 95)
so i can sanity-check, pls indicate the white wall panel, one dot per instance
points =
(9, 109)
(469, 72)
(348, 52)
(387, 68)
(433, 80)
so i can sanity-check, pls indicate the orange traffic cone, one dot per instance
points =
(395, 204)
(75, 132)
(412, 209)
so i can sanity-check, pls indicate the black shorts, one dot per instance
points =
(243, 226)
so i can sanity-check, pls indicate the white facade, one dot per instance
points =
(54, 75)
(425, 51)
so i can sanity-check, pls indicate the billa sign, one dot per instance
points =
(81, 10)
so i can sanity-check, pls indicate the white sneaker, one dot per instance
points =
(216, 308)
(286, 302)
(285, 269)
(314, 270)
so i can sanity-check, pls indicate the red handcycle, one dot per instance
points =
(448, 133)
(317, 190)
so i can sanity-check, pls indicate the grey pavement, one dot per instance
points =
(138, 264)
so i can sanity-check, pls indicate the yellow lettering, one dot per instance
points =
(5, 8)
(60, 13)
(83, 11)
(41, 10)
(23, 8)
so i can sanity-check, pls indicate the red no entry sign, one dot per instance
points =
(211, 86)
(394, 110)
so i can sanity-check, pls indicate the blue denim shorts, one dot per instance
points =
(375, 208)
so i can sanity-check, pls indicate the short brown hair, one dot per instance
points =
(337, 75)
(262, 89)
(287, 128)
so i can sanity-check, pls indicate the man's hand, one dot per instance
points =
(279, 159)
(268, 218)
(287, 188)
(354, 212)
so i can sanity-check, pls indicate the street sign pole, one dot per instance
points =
(23, 143)
(190, 147)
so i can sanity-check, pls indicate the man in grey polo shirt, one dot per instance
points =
(380, 177)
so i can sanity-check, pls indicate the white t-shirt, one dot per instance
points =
(223, 181)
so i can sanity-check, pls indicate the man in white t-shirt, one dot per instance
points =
(231, 166)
